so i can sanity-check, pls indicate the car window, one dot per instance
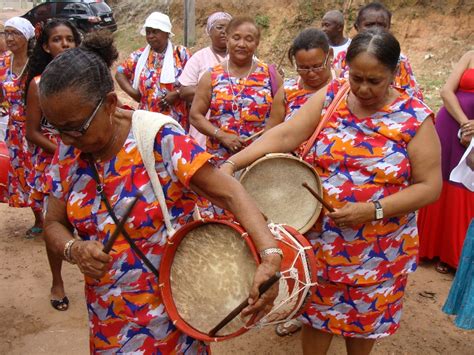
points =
(42, 12)
(100, 8)
(75, 9)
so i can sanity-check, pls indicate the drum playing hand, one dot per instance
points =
(230, 141)
(353, 214)
(263, 304)
(90, 258)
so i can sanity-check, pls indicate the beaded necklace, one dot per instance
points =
(236, 102)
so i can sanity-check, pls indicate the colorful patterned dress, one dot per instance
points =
(20, 156)
(126, 311)
(238, 106)
(149, 85)
(295, 97)
(363, 270)
(41, 162)
(404, 77)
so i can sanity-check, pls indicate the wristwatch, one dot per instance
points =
(378, 210)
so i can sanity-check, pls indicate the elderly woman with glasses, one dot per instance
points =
(19, 35)
(311, 54)
(97, 170)
(150, 74)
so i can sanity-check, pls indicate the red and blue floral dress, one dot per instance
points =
(362, 270)
(150, 87)
(20, 156)
(125, 308)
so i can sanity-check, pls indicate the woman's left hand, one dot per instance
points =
(262, 304)
(353, 214)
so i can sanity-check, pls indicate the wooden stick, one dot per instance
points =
(255, 135)
(108, 246)
(326, 204)
(261, 290)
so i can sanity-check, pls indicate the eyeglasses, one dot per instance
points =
(313, 69)
(79, 132)
(12, 34)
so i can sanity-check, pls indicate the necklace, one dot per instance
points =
(236, 97)
(22, 70)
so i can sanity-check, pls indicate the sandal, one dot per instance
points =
(60, 305)
(442, 268)
(288, 328)
(33, 232)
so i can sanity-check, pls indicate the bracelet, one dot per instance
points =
(459, 133)
(269, 251)
(228, 161)
(67, 251)
(214, 135)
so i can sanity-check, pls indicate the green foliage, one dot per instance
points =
(262, 21)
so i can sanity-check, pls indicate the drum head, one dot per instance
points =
(210, 268)
(275, 182)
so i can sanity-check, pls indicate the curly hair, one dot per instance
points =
(307, 39)
(39, 59)
(84, 69)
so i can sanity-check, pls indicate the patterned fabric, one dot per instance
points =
(359, 160)
(150, 87)
(126, 311)
(41, 162)
(20, 156)
(295, 97)
(238, 106)
(369, 312)
(404, 77)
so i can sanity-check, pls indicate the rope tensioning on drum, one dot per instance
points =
(276, 229)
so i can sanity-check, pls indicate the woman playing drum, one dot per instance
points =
(98, 152)
(379, 159)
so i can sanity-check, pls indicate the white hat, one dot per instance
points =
(159, 21)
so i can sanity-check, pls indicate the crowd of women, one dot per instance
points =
(74, 157)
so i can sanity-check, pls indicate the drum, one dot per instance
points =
(4, 166)
(275, 182)
(207, 270)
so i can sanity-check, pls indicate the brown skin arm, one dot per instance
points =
(199, 108)
(186, 93)
(226, 192)
(448, 92)
(33, 121)
(88, 255)
(125, 85)
(424, 152)
(277, 114)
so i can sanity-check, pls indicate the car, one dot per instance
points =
(86, 15)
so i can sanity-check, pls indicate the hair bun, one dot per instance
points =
(102, 43)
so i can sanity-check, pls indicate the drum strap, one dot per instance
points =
(112, 214)
(327, 115)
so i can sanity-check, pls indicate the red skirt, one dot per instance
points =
(442, 226)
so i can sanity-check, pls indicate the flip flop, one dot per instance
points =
(442, 268)
(33, 232)
(60, 305)
(288, 328)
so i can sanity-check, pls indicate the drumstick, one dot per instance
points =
(261, 290)
(121, 225)
(255, 135)
(326, 204)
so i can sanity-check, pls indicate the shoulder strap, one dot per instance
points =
(330, 110)
(272, 70)
(145, 126)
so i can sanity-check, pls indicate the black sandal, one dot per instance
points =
(60, 305)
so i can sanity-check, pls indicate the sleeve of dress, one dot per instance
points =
(405, 78)
(127, 67)
(181, 155)
(419, 112)
(61, 171)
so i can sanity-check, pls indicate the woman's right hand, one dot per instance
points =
(231, 142)
(90, 258)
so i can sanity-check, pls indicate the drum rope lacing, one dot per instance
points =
(276, 230)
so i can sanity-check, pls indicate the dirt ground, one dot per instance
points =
(31, 326)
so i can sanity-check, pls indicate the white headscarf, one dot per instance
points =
(23, 25)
